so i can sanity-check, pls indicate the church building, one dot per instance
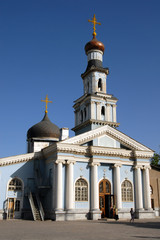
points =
(87, 176)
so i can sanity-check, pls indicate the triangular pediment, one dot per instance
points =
(107, 137)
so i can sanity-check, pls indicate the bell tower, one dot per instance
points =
(96, 107)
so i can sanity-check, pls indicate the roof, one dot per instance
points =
(44, 129)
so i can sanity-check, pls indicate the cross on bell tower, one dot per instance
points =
(94, 21)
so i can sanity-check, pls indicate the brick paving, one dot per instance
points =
(80, 230)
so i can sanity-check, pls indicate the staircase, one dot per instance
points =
(36, 207)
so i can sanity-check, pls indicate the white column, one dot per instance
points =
(98, 111)
(92, 110)
(94, 187)
(114, 113)
(69, 186)
(108, 112)
(117, 186)
(59, 203)
(147, 196)
(138, 185)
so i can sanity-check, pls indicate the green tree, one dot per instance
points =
(155, 160)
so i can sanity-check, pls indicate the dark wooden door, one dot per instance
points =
(104, 197)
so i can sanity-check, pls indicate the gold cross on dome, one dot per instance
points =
(46, 101)
(94, 21)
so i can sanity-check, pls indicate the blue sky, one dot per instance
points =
(42, 52)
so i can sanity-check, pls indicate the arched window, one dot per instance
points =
(127, 192)
(151, 190)
(15, 185)
(103, 110)
(100, 84)
(81, 190)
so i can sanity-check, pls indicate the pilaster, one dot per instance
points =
(108, 112)
(92, 110)
(114, 113)
(98, 111)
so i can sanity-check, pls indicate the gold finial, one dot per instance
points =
(46, 101)
(94, 21)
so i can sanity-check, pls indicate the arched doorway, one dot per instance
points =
(15, 190)
(106, 200)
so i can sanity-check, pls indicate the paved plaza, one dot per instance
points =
(77, 230)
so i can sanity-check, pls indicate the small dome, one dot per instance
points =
(44, 129)
(94, 44)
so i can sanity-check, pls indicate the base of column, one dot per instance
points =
(142, 213)
(95, 214)
(70, 215)
(58, 215)
(157, 212)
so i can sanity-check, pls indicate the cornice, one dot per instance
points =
(95, 69)
(19, 158)
(95, 121)
(94, 97)
(98, 151)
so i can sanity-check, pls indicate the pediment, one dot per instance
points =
(110, 134)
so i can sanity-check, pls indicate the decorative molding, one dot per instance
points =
(63, 147)
(95, 121)
(19, 158)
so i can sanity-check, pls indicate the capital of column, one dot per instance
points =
(117, 165)
(146, 167)
(98, 103)
(59, 161)
(92, 164)
(108, 104)
(87, 104)
(138, 167)
(70, 161)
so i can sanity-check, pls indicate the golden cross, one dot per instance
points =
(46, 101)
(94, 21)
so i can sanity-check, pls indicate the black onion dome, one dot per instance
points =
(44, 129)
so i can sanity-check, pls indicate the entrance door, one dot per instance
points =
(11, 208)
(106, 200)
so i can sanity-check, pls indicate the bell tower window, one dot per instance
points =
(100, 84)
(88, 87)
(81, 116)
(85, 113)
(102, 111)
